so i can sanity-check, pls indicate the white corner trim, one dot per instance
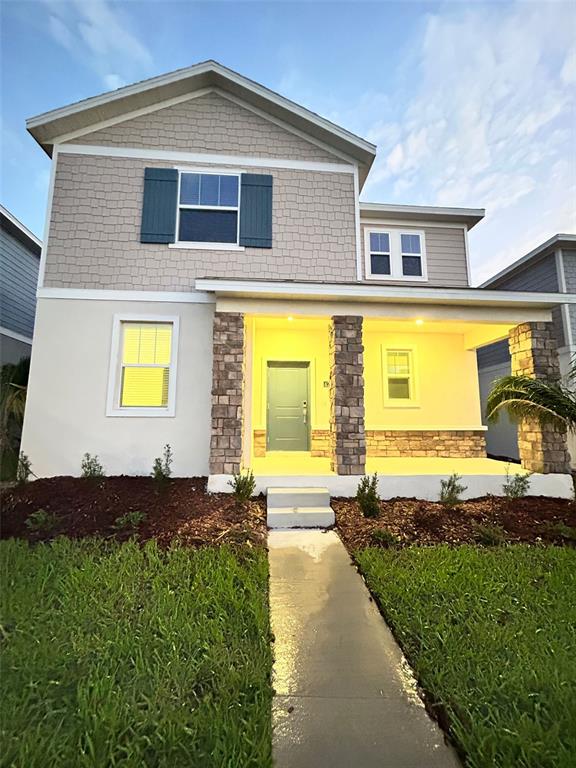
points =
(113, 408)
(15, 336)
(90, 294)
(175, 156)
(47, 218)
(357, 225)
(565, 310)
(467, 254)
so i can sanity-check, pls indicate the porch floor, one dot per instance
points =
(302, 463)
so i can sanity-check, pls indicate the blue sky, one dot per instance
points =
(470, 103)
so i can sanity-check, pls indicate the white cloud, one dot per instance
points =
(490, 124)
(99, 34)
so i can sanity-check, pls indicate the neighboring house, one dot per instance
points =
(550, 267)
(19, 263)
(210, 280)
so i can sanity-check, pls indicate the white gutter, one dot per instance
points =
(383, 293)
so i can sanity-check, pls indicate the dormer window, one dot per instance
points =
(395, 255)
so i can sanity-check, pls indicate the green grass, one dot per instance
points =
(114, 655)
(492, 637)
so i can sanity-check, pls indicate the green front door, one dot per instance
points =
(288, 407)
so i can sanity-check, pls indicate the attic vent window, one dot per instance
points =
(208, 205)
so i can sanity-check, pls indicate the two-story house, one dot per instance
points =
(550, 267)
(211, 280)
(19, 262)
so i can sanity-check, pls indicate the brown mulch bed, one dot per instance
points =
(182, 510)
(531, 519)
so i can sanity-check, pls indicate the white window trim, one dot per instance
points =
(414, 401)
(198, 245)
(113, 407)
(396, 273)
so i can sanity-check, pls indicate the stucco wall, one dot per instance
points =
(446, 381)
(94, 237)
(209, 123)
(445, 252)
(66, 405)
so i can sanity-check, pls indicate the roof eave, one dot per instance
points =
(556, 241)
(385, 211)
(49, 125)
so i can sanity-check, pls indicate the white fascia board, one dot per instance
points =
(399, 294)
(468, 216)
(556, 240)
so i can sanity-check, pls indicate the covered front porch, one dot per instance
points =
(329, 391)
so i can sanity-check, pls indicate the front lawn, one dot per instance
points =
(117, 655)
(491, 634)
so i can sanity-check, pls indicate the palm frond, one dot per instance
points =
(523, 397)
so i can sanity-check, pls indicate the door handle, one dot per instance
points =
(304, 411)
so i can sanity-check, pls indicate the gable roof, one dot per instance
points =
(556, 241)
(83, 115)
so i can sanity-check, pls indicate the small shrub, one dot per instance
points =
(384, 538)
(243, 486)
(367, 495)
(162, 468)
(451, 490)
(489, 535)
(562, 531)
(516, 486)
(91, 467)
(40, 520)
(129, 520)
(23, 469)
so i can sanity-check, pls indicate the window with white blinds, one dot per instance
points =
(144, 366)
(146, 355)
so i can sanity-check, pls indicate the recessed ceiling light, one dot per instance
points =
(419, 322)
(290, 318)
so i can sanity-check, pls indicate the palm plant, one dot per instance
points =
(547, 401)
(13, 386)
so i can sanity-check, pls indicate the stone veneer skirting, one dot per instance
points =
(469, 444)
(320, 443)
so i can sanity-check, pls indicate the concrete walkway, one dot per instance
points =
(345, 696)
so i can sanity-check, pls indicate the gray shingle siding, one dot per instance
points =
(18, 279)
(569, 257)
(493, 354)
(537, 275)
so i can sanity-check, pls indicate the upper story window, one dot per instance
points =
(208, 208)
(395, 254)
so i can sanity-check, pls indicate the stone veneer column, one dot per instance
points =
(534, 353)
(347, 395)
(227, 380)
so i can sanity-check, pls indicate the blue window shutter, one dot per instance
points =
(256, 210)
(159, 205)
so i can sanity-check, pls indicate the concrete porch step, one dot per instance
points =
(297, 497)
(300, 517)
